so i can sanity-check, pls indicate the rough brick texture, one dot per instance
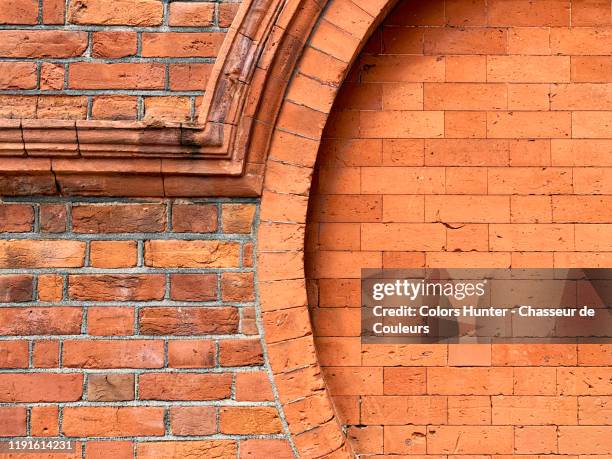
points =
(123, 348)
(115, 60)
(468, 134)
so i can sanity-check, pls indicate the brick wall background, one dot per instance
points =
(103, 59)
(135, 320)
(469, 134)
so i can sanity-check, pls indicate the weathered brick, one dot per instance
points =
(40, 321)
(108, 421)
(249, 420)
(192, 254)
(131, 218)
(114, 44)
(181, 44)
(110, 321)
(110, 387)
(116, 287)
(120, 12)
(44, 421)
(113, 354)
(12, 421)
(193, 420)
(16, 218)
(188, 321)
(42, 43)
(18, 12)
(185, 386)
(40, 387)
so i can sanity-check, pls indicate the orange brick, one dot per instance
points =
(528, 355)
(401, 410)
(592, 125)
(253, 387)
(584, 439)
(185, 386)
(405, 209)
(41, 387)
(354, 381)
(402, 236)
(466, 68)
(467, 209)
(113, 354)
(528, 69)
(590, 13)
(581, 40)
(592, 69)
(535, 381)
(90, 75)
(523, 125)
(191, 14)
(402, 180)
(520, 180)
(114, 44)
(113, 254)
(405, 124)
(526, 13)
(466, 180)
(529, 97)
(191, 353)
(534, 410)
(249, 420)
(470, 440)
(193, 420)
(525, 237)
(46, 354)
(529, 41)
(535, 439)
(44, 421)
(465, 96)
(465, 124)
(531, 209)
(404, 381)
(115, 107)
(582, 209)
(13, 421)
(110, 321)
(474, 410)
(469, 381)
(461, 13)
(103, 421)
(465, 41)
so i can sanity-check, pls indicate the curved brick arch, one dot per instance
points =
(337, 37)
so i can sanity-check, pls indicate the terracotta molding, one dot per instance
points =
(221, 155)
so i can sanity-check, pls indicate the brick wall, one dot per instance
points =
(99, 59)
(135, 320)
(468, 134)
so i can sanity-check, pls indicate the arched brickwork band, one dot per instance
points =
(337, 36)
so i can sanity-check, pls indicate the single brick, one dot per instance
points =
(41, 254)
(107, 421)
(240, 352)
(115, 107)
(110, 321)
(12, 421)
(42, 43)
(185, 386)
(237, 287)
(193, 287)
(53, 218)
(113, 254)
(40, 387)
(16, 218)
(46, 354)
(117, 287)
(191, 254)
(114, 44)
(194, 218)
(188, 321)
(191, 353)
(113, 354)
(118, 12)
(130, 218)
(18, 11)
(50, 287)
(16, 288)
(193, 420)
(40, 321)
(110, 387)
(17, 75)
(181, 44)
(189, 14)
(44, 421)
(14, 354)
(249, 420)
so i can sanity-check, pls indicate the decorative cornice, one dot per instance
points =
(222, 154)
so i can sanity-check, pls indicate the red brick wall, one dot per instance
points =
(136, 320)
(99, 59)
(469, 134)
